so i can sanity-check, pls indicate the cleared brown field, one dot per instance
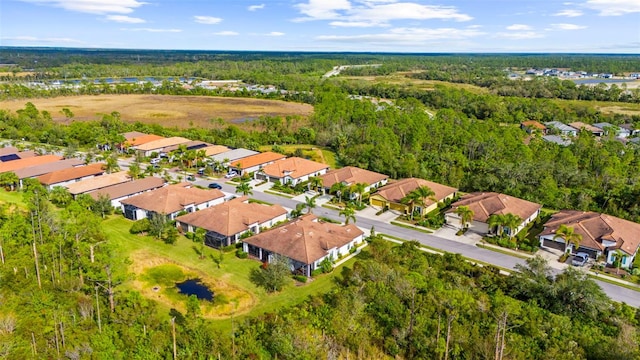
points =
(166, 110)
(403, 79)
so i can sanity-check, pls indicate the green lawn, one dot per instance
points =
(316, 153)
(233, 270)
(11, 197)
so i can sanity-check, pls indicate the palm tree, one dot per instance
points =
(310, 203)
(412, 199)
(496, 221)
(60, 196)
(349, 213)
(339, 189)
(135, 172)
(9, 179)
(359, 189)
(425, 193)
(200, 155)
(112, 164)
(315, 182)
(617, 260)
(244, 188)
(570, 237)
(511, 222)
(465, 214)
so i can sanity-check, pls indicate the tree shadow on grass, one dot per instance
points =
(197, 251)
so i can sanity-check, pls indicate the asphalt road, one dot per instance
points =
(616, 293)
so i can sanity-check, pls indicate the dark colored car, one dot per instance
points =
(191, 178)
(215, 186)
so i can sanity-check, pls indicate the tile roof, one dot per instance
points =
(396, 191)
(8, 150)
(25, 163)
(162, 143)
(128, 188)
(191, 145)
(26, 154)
(233, 154)
(98, 182)
(595, 227)
(140, 140)
(587, 127)
(533, 123)
(232, 217)
(42, 169)
(486, 204)
(215, 149)
(351, 175)
(78, 172)
(557, 140)
(132, 134)
(294, 167)
(304, 239)
(172, 198)
(560, 126)
(257, 159)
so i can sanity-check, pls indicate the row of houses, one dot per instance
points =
(561, 134)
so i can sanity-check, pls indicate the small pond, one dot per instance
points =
(195, 287)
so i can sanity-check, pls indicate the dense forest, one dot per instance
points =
(61, 275)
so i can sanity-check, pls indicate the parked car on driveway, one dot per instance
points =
(191, 178)
(215, 186)
(231, 174)
(580, 259)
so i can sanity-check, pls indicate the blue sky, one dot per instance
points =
(589, 26)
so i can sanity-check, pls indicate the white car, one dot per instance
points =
(580, 259)
(311, 193)
(231, 174)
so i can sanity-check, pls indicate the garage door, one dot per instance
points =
(376, 202)
(553, 244)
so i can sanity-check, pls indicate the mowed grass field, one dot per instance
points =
(166, 110)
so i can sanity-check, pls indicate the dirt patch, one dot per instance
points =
(166, 110)
(237, 301)
(618, 110)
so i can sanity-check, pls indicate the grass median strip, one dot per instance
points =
(407, 226)
(607, 279)
(506, 252)
(279, 194)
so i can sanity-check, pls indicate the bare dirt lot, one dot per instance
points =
(166, 110)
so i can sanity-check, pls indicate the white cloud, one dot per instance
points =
(375, 12)
(33, 39)
(209, 20)
(520, 35)
(256, 7)
(569, 13)
(93, 6)
(567, 27)
(519, 27)
(226, 33)
(125, 19)
(614, 7)
(153, 30)
(406, 36)
(274, 33)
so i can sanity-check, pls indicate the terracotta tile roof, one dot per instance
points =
(580, 125)
(172, 198)
(128, 188)
(26, 154)
(351, 175)
(294, 167)
(8, 150)
(396, 191)
(304, 239)
(25, 163)
(595, 227)
(191, 145)
(132, 134)
(140, 140)
(215, 149)
(486, 204)
(232, 217)
(78, 172)
(162, 143)
(98, 182)
(533, 124)
(33, 171)
(257, 159)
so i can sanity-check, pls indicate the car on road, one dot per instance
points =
(580, 259)
(231, 174)
(191, 178)
(215, 186)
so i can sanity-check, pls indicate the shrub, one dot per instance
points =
(300, 278)
(353, 250)
(229, 248)
(241, 254)
(317, 272)
(140, 226)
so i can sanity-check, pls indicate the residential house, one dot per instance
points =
(97, 183)
(225, 158)
(37, 170)
(117, 193)
(556, 139)
(28, 162)
(132, 142)
(531, 126)
(633, 131)
(350, 175)
(226, 223)
(485, 204)
(8, 150)
(215, 149)
(621, 132)
(586, 127)
(391, 195)
(563, 129)
(255, 162)
(292, 171)
(17, 155)
(158, 146)
(602, 234)
(306, 242)
(191, 145)
(69, 176)
(169, 201)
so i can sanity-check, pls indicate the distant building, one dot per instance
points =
(69, 176)
(564, 129)
(531, 125)
(119, 192)
(292, 171)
